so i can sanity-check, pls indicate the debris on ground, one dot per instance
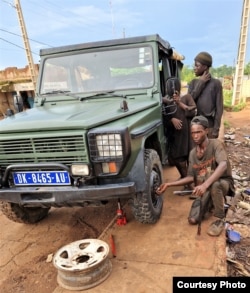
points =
(238, 214)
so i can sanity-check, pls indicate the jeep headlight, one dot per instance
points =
(108, 150)
(109, 145)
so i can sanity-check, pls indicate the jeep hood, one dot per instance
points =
(74, 115)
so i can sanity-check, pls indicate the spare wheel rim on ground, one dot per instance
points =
(82, 264)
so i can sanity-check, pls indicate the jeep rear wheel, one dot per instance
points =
(147, 205)
(19, 214)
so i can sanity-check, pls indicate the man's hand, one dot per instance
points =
(161, 188)
(206, 76)
(199, 190)
(177, 123)
(165, 100)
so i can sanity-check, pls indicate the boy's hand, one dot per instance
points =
(199, 190)
(206, 76)
(161, 188)
(177, 123)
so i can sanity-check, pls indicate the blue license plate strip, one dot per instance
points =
(41, 178)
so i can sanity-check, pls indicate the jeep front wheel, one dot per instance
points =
(147, 205)
(20, 214)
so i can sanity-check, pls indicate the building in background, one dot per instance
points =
(16, 82)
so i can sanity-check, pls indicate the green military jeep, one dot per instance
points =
(96, 131)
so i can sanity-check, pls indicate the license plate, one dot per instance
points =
(41, 178)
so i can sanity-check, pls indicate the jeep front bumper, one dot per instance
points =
(53, 196)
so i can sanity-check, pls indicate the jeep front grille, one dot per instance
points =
(59, 149)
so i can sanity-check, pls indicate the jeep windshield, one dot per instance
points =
(98, 71)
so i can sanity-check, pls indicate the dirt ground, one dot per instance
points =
(23, 265)
(28, 271)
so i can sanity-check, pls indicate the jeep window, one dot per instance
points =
(99, 71)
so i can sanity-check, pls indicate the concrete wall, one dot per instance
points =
(13, 81)
(246, 88)
(6, 102)
(16, 75)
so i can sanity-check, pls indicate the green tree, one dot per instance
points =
(247, 69)
(219, 72)
(187, 74)
(222, 71)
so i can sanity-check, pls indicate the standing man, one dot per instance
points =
(210, 171)
(178, 129)
(207, 93)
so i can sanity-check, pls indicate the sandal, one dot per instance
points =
(216, 228)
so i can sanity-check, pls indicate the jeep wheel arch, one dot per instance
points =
(147, 205)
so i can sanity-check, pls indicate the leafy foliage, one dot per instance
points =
(247, 69)
(227, 95)
(219, 72)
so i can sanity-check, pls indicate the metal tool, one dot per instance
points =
(200, 218)
(112, 244)
(182, 192)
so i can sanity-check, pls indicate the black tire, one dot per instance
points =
(19, 214)
(147, 205)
